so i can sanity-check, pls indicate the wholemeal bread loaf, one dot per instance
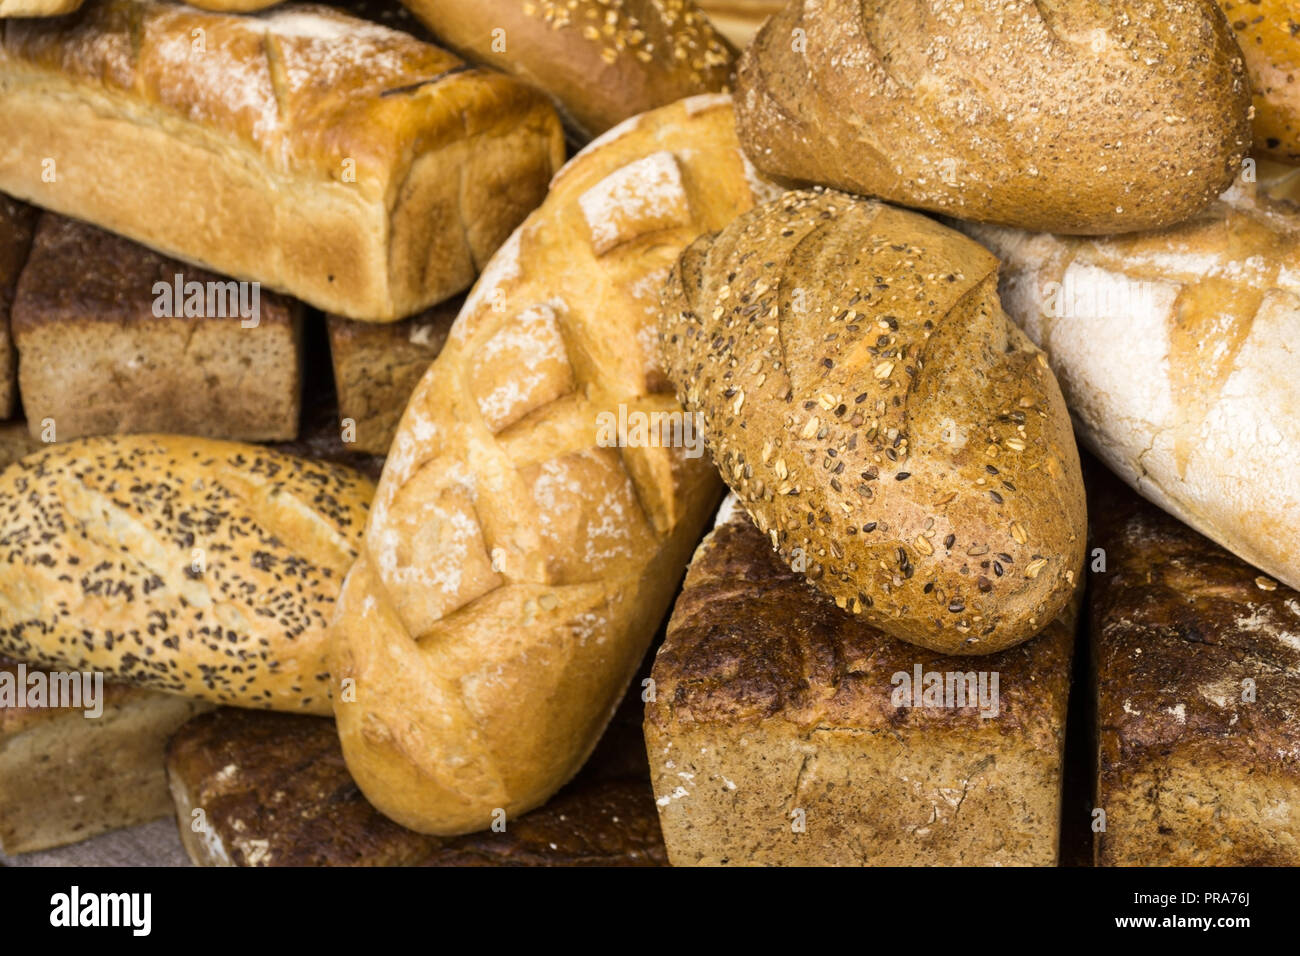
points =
(72, 767)
(1197, 684)
(17, 221)
(376, 367)
(739, 20)
(521, 552)
(1269, 34)
(891, 431)
(350, 165)
(114, 338)
(1063, 115)
(784, 731)
(1174, 351)
(599, 61)
(197, 567)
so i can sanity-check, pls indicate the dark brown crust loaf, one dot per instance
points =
(17, 221)
(881, 418)
(1190, 773)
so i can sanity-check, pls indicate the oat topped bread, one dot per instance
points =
(198, 567)
(897, 438)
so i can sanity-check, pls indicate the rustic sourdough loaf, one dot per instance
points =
(894, 435)
(17, 222)
(1068, 115)
(1197, 684)
(197, 567)
(777, 734)
(520, 556)
(66, 776)
(599, 61)
(96, 356)
(350, 165)
(1269, 34)
(1175, 351)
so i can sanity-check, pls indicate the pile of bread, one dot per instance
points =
(352, 429)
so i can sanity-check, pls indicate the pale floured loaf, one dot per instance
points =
(348, 164)
(518, 561)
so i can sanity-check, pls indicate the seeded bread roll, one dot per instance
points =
(781, 732)
(17, 221)
(345, 163)
(102, 351)
(1197, 669)
(197, 567)
(1064, 115)
(1269, 34)
(1199, 407)
(520, 556)
(889, 429)
(600, 61)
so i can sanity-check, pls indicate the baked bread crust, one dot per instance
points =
(98, 544)
(1190, 772)
(517, 563)
(1063, 115)
(17, 223)
(768, 698)
(350, 165)
(739, 20)
(883, 421)
(1269, 34)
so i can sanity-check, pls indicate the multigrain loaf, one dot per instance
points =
(520, 553)
(114, 338)
(1175, 351)
(17, 222)
(1197, 685)
(197, 567)
(1268, 32)
(72, 768)
(1063, 115)
(781, 732)
(345, 163)
(600, 61)
(891, 431)
(377, 366)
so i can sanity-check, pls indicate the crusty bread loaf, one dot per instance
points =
(1176, 353)
(1197, 684)
(17, 221)
(599, 61)
(376, 367)
(739, 20)
(891, 431)
(186, 565)
(1269, 34)
(517, 562)
(1064, 115)
(348, 164)
(114, 338)
(66, 776)
(777, 734)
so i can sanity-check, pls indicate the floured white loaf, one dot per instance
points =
(348, 164)
(1176, 351)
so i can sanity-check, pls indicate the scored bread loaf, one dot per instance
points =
(1066, 115)
(17, 222)
(520, 554)
(781, 732)
(600, 62)
(186, 565)
(1197, 689)
(1269, 34)
(350, 165)
(1175, 351)
(114, 338)
(898, 439)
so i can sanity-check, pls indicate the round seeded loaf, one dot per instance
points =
(883, 422)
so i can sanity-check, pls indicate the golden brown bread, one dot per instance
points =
(17, 222)
(886, 425)
(516, 565)
(350, 165)
(185, 565)
(1269, 34)
(1063, 115)
(600, 61)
